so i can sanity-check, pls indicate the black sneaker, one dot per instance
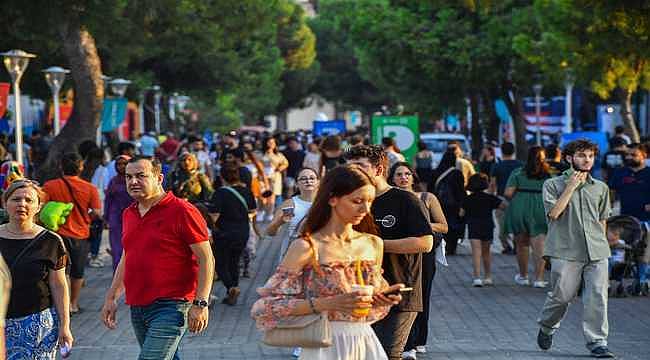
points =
(602, 352)
(544, 341)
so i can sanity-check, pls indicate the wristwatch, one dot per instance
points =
(200, 303)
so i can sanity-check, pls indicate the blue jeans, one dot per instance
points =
(159, 328)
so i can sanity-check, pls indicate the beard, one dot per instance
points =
(580, 169)
(633, 163)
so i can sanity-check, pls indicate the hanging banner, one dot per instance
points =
(65, 110)
(551, 115)
(330, 127)
(4, 97)
(113, 114)
(404, 129)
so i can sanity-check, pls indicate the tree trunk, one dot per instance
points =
(627, 116)
(477, 133)
(81, 53)
(515, 108)
(492, 128)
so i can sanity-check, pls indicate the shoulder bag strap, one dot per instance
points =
(84, 214)
(238, 196)
(423, 198)
(315, 265)
(22, 252)
(441, 177)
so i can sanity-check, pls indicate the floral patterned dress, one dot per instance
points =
(353, 338)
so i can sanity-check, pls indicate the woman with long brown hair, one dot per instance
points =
(335, 257)
(525, 217)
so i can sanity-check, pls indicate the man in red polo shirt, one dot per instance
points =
(166, 267)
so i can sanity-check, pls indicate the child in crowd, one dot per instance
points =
(616, 262)
(477, 209)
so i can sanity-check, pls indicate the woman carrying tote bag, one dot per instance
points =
(334, 268)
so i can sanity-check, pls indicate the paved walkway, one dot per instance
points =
(466, 322)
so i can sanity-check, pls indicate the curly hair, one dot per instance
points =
(374, 153)
(579, 145)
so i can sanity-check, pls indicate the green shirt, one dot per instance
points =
(578, 234)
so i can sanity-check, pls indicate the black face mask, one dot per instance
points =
(632, 163)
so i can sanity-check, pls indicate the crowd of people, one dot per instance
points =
(361, 229)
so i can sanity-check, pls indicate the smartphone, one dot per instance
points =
(399, 291)
(287, 211)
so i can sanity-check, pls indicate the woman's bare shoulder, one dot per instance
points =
(298, 255)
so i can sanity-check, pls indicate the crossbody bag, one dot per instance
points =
(85, 215)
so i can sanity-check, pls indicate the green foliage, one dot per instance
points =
(297, 45)
(339, 80)
(607, 44)
(246, 51)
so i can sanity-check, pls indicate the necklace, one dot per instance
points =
(31, 230)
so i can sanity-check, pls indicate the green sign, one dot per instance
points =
(404, 129)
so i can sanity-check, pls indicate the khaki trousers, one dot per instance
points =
(566, 278)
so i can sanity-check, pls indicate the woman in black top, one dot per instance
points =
(448, 185)
(38, 317)
(231, 207)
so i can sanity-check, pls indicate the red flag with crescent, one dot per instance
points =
(4, 96)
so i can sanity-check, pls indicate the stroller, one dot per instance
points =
(625, 274)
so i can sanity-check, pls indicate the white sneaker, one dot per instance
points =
(488, 282)
(522, 281)
(540, 284)
(409, 355)
(296, 352)
(477, 283)
(421, 349)
(96, 263)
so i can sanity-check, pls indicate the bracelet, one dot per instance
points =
(311, 305)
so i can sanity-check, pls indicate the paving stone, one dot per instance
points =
(466, 323)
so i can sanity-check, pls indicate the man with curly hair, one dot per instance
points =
(577, 207)
(407, 234)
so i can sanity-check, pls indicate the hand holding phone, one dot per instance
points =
(399, 291)
(391, 295)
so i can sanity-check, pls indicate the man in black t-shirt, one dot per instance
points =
(614, 158)
(295, 156)
(498, 180)
(407, 235)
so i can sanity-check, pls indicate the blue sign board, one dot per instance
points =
(330, 127)
(113, 114)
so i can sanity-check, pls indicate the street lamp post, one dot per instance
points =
(55, 76)
(16, 62)
(156, 99)
(537, 88)
(569, 81)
